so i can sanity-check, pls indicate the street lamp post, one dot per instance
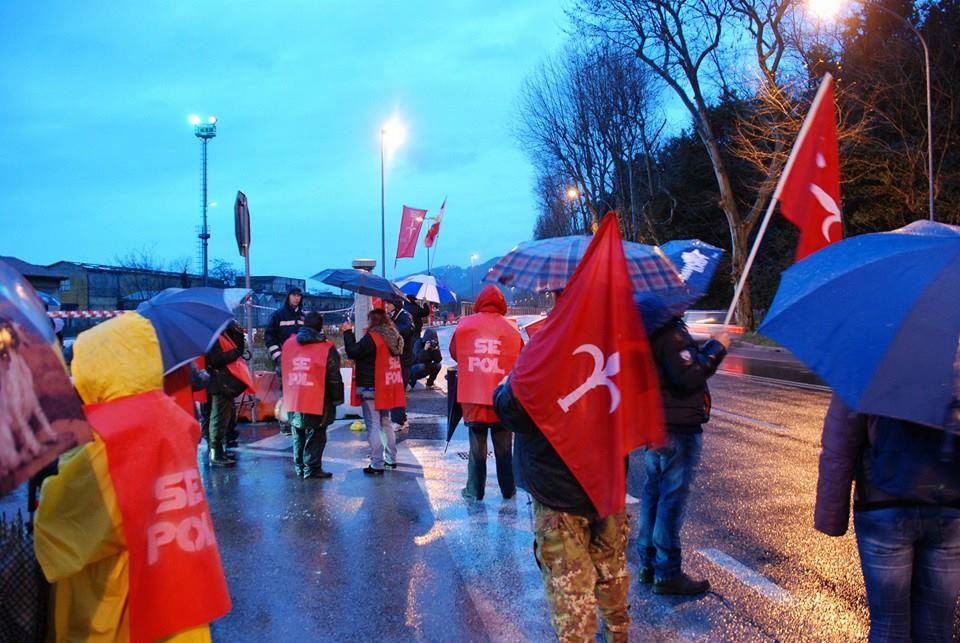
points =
(473, 275)
(205, 132)
(393, 130)
(827, 8)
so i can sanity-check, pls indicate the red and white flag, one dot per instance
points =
(589, 381)
(435, 228)
(809, 188)
(410, 225)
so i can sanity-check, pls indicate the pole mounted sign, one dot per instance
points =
(242, 224)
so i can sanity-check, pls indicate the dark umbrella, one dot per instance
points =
(877, 316)
(188, 321)
(361, 281)
(454, 408)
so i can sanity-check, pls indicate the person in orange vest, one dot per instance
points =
(312, 389)
(229, 377)
(379, 384)
(485, 346)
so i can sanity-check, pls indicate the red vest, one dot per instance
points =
(176, 578)
(304, 368)
(177, 385)
(238, 368)
(487, 348)
(388, 388)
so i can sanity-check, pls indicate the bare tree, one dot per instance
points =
(225, 272)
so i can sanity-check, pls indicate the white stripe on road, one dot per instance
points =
(754, 580)
(759, 379)
(736, 417)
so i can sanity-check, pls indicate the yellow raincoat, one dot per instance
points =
(78, 530)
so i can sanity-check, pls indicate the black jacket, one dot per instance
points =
(404, 323)
(222, 382)
(424, 355)
(419, 313)
(541, 471)
(333, 382)
(284, 322)
(364, 356)
(684, 368)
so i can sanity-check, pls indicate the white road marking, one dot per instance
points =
(754, 580)
(759, 379)
(736, 417)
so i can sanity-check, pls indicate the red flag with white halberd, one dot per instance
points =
(588, 379)
(434, 230)
(410, 224)
(809, 188)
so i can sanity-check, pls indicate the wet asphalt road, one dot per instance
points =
(404, 557)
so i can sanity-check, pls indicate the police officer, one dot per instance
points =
(284, 323)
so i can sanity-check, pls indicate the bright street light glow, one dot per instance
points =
(824, 9)
(213, 204)
(474, 256)
(394, 133)
(572, 193)
(212, 120)
(194, 119)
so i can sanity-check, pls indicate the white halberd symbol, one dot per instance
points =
(825, 200)
(600, 377)
(693, 261)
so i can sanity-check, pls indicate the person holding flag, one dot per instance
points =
(582, 395)
(485, 346)
(312, 389)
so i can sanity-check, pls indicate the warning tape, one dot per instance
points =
(84, 314)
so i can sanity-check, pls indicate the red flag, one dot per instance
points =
(809, 188)
(435, 228)
(410, 225)
(588, 380)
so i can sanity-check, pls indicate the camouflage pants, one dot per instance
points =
(584, 567)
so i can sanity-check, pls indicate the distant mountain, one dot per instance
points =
(466, 282)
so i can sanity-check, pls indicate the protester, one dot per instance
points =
(404, 323)
(427, 359)
(229, 377)
(485, 346)
(684, 367)
(106, 517)
(906, 515)
(581, 556)
(418, 312)
(312, 389)
(284, 323)
(379, 384)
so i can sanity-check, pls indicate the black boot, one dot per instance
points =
(218, 458)
(682, 585)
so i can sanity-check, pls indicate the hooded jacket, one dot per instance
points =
(333, 382)
(490, 300)
(78, 534)
(424, 355)
(364, 352)
(284, 322)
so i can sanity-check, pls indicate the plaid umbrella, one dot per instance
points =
(547, 264)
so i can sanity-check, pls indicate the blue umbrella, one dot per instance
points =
(360, 281)
(427, 288)
(878, 318)
(696, 261)
(188, 321)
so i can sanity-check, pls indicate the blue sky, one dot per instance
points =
(97, 158)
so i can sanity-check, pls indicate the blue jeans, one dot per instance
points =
(911, 568)
(670, 471)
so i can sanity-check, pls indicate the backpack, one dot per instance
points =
(914, 462)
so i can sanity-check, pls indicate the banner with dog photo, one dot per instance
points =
(40, 414)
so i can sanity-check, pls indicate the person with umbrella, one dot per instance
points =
(877, 317)
(485, 346)
(229, 377)
(379, 384)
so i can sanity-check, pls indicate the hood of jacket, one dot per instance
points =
(391, 335)
(491, 300)
(117, 358)
(306, 335)
(430, 335)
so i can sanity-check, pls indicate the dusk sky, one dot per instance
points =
(97, 158)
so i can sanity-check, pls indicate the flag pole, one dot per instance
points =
(827, 79)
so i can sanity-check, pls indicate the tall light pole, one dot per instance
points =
(473, 275)
(205, 132)
(394, 133)
(828, 8)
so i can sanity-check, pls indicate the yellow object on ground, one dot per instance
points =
(358, 426)
(78, 531)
